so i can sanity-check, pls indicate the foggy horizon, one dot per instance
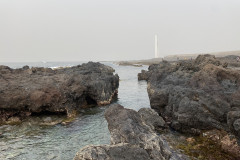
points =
(58, 30)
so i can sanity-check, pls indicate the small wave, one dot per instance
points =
(60, 67)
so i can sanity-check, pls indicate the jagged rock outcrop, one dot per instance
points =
(131, 138)
(196, 95)
(27, 90)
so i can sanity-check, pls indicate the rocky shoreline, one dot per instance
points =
(195, 95)
(27, 91)
(144, 135)
(133, 136)
(198, 97)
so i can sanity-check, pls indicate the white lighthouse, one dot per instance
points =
(156, 46)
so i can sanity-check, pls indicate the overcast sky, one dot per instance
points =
(77, 30)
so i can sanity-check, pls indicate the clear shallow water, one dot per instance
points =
(131, 93)
(30, 140)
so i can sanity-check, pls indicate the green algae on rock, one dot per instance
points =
(211, 145)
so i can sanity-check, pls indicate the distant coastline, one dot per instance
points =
(175, 58)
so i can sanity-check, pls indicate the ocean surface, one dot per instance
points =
(32, 141)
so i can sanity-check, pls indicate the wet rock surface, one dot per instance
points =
(131, 138)
(26, 91)
(195, 95)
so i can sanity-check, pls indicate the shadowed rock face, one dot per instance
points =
(196, 95)
(132, 137)
(33, 90)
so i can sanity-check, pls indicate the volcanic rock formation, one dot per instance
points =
(196, 95)
(27, 90)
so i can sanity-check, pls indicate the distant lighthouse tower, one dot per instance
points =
(156, 46)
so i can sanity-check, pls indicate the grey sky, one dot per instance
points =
(76, 30)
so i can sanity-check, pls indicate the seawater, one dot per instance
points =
(29, 140)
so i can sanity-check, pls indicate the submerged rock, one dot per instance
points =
(195, 95)
(131, 138)
(36, 90)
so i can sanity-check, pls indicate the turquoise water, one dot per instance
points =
(30, 140)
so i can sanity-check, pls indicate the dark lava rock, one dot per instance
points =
(131, 138)
(27, 90)
(144, 75)
(233, 120)
(152, 119)
(195, 95)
